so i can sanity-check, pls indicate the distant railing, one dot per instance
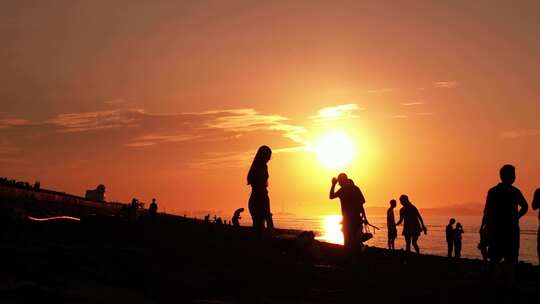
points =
(44, 195)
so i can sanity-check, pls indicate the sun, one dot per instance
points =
(335, 150)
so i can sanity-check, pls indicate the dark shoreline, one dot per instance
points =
(174, 259)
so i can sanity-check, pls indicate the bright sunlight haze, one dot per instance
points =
(335, 150)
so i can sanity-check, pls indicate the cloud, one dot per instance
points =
(400, 116)
(205, 138)
(115, 102)
(380, 92)
(344, 111)
(249, 120)
(156, 139)
(150, 129)
(513, 134)
(9, 152)
(410, 104)
(446, 84)
(101, 120)
(242, 120)
(212, 160)
(7, 148)
(13, 122)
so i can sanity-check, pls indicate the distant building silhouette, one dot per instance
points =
(97, 194)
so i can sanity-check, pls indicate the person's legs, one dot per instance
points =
(265, 210)
(345, 228)
(458, 249)
(258, 223)
(450, 248)
(408, 243)
(415, 244)
(391, 243)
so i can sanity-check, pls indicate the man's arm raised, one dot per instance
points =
(333, 194)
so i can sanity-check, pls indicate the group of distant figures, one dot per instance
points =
(221, 222)
(131, 210)
(499, 232)
(454, 237)
(19, 184)
(413, 224)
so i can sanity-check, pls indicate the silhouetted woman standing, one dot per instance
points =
(412, 223)
(458, 237)
(257, 178)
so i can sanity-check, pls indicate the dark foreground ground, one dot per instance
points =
(176, 260)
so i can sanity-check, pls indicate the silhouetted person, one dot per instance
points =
(450, 236)
(257, 178)
(536, 205)
(219, 221)
(413, 223)
(352, 210)
(152, 209)
(207, 219)
(236, 217)
(391, 225)
(133, 208)
(505, 205)
(458, 232)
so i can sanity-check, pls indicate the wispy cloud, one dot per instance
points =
(344, 111)
(400, 116)
(7, 148)
(243, 120)
(212, 160)
(209, 137)
(380, 92)
(101, 120)
(513, 134)
(249, 120)
(115, 102)
(13, 122)
(446, 84)
(155, 139)
(410, 104)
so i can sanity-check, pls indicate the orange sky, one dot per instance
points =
(172, 100)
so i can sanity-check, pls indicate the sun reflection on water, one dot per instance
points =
(332, 229)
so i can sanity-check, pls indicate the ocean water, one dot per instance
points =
(327, 228)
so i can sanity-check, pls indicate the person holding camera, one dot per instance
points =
(352, 210)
